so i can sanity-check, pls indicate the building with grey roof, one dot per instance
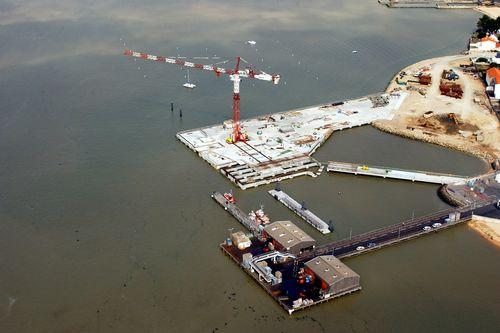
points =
(286, 236)
(336, 278)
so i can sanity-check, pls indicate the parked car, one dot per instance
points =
(436, 225)
(371, 245)
(426, 228)
(360, 248)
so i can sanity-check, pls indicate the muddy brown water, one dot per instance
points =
(106, 221)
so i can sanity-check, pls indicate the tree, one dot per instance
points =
(487, 25)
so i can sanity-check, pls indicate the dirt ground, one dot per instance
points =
(491, 11)
(465, 123)
(489, 229)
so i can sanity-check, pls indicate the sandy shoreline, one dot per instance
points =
(491, 11)
(488, 228)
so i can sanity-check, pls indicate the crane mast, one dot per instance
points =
(237, 134)
(235, 75)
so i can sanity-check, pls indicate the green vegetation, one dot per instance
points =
(486, 25)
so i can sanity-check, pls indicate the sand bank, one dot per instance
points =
(489, 228)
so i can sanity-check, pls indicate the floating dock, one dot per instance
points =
(238, 214)
(289, 289)
(395, 173)
(301, 211)
(280, 145)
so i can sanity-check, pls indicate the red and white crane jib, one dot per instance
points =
(246, 73)
(235, 76)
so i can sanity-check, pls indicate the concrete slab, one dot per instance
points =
(280, 144)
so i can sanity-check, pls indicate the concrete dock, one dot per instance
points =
(297, 208)
(439, 4)
(280, 145)
(395, 173)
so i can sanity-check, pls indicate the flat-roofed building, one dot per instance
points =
(336, 278)
(286, 236)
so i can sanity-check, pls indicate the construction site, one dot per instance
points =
(277, 146)
(280, 146)
(446, 105)
(441, 99)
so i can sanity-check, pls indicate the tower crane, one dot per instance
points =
(235, 75)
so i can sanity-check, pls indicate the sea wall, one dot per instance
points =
(446, 197)
(415, 135)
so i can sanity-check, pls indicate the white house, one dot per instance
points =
(488, 43)
(493, 82)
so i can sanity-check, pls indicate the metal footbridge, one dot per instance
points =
(395, 173)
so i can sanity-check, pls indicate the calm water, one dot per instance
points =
(106, 223)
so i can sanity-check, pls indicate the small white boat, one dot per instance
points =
(189, 85)
(354, 51)
(251, 42)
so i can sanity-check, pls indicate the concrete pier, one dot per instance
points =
(395, 173)
(440, 4)
(280, 145)
(297, 208)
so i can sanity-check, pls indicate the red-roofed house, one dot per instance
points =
(488, 43)
(493, 82)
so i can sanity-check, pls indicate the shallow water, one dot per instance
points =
(106, 221)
